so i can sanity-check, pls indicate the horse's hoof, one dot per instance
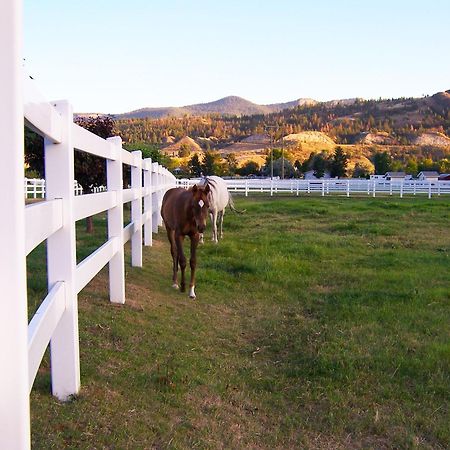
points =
(175, 286)
(192, 292)
(192, 297)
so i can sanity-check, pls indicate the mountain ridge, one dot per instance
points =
(231, 105)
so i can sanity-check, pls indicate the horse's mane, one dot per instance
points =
(219, 196)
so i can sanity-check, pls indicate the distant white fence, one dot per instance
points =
(22, 228)
(332, 186)
(35, 188)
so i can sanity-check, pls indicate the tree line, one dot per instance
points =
(344, 123)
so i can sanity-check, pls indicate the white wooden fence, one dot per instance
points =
(35, 188)
(22, 228)
(332, 186)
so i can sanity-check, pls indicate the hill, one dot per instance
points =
(186, 144)
(310, 137)
(231, 105)
(406, 128)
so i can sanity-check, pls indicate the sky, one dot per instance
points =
(116, 56)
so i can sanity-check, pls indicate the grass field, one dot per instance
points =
(319, 323)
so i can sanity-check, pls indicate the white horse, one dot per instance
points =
(219, 198)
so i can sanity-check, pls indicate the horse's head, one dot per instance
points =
(200, 205)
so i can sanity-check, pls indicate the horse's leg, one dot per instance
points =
(221, 213)
(174, 253)
(214, 225)
(193, 264)
(182, 260)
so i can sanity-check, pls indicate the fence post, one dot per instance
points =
(14, 394)
(429, 190)
(348, 188)
(401, 189)
(136, 210)
(323, 188)
(61, 258)
(374, 188)
(246, 188)
(298, 185)
(148, 238)
(155, 186)
(161, 182)
(114, 173)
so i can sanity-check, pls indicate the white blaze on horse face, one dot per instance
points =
(192, 292)
(201, 203)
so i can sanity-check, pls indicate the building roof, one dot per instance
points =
(429, 173)
(395, 174)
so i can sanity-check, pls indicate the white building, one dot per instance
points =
(395, 176)
(428, 176)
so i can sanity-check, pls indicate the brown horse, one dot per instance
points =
(184, 213)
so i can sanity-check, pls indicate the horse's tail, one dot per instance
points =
(232, 207)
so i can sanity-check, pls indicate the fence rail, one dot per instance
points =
(332, 186)
(53, 220)
(35, 188)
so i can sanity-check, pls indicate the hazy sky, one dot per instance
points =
(114, 56)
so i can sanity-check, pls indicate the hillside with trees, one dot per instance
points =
(368, 135)
(413, 132)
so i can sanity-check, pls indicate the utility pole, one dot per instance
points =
(269, 127)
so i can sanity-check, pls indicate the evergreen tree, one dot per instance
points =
(382, 162)
(195, 167)
(211, 163)
(338, 163)
(360, 171)
(319, 166)
(249, 168)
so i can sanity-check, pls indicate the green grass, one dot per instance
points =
(319, 323)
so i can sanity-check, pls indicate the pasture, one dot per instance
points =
(318, 323)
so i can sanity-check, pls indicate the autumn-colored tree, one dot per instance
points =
(231, 162)
(90, 170)
(34, 153)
